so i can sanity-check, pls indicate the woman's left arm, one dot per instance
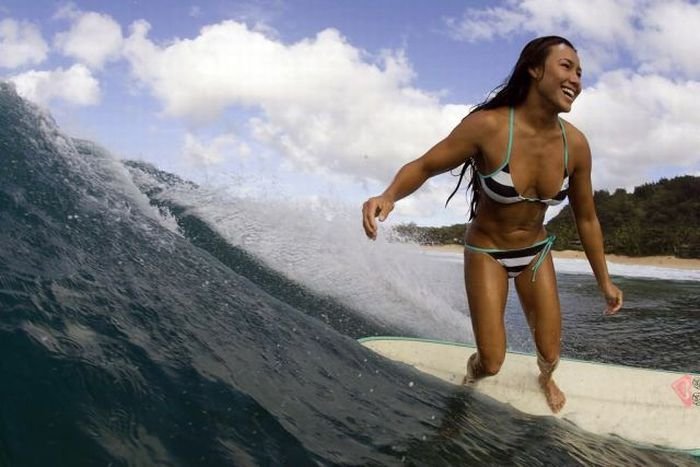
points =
(589, 231)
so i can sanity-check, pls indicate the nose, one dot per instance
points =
(575, 77)
(575, 80)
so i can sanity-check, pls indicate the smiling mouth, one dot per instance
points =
(569, 93)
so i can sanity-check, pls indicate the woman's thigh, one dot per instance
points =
(486, 283)
(540, 303)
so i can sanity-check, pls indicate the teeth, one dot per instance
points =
(568, 92)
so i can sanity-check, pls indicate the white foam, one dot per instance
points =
(321, 245)
(581, 266)
(103, 170)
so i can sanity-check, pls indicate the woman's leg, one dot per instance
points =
(540, 302)
(486, 284)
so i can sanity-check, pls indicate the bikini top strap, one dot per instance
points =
(511, 125)
(566, 146)
(506, 159)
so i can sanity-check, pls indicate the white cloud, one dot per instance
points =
(669, 42)
(214, 151)
(93, 38)
(544, 16)
(596, 37)
(323, 104)
(637, 124)
(75, 85)
(656, 34)
(485, 24)
(607, 21)
(21, 44)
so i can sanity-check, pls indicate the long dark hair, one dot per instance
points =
(511, 94)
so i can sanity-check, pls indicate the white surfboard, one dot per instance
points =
(647, 407)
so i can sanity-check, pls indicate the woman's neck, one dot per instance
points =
(538, 114)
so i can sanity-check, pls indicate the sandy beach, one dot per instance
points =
(658, 261)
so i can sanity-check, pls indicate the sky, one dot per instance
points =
(325, 100)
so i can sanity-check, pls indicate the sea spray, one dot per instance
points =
(321, 246)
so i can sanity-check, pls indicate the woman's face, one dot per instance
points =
(559, 80)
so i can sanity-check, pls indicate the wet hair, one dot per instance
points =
(509, 94)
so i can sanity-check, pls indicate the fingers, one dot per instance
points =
(615, 302)
(372, 208)
(611, 309)
(384, 211)
(618, 304)
(369, 209)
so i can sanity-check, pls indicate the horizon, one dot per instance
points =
(327, 101)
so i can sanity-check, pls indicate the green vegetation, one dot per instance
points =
(661, 218)
(452, 234)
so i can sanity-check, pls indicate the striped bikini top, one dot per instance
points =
(498, 185)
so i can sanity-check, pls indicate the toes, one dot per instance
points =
(555, 397)
(556, 406)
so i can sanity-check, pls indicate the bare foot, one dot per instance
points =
(555, 398)
(471, 375)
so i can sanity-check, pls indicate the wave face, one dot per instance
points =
(145, 320)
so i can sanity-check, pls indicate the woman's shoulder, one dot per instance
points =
(488, 120)
(579, 150)
(575, 137)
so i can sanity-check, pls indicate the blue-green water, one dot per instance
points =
(148, 321)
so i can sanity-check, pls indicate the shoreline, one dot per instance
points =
(656, 261)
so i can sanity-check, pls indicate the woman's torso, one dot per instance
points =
(522, 171)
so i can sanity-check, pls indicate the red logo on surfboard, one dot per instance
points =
(683, 387)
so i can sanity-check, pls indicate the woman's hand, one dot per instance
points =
(613, 297)
(378, 206)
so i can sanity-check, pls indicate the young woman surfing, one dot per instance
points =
(524, 158)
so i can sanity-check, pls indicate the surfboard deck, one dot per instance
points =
(652, 408)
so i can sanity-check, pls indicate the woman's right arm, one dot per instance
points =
(460, 145)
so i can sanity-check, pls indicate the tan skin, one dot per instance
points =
(536, 168)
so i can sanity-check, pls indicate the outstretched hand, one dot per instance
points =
(613, 298)
(378, 206)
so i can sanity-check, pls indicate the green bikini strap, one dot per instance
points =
(511, 124)
(566, 146)
(506, 159)
(543, 255)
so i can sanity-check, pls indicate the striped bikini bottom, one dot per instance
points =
(515, 261)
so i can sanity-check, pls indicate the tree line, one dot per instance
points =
(660, 218)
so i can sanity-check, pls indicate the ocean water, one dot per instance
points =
(145, 320)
